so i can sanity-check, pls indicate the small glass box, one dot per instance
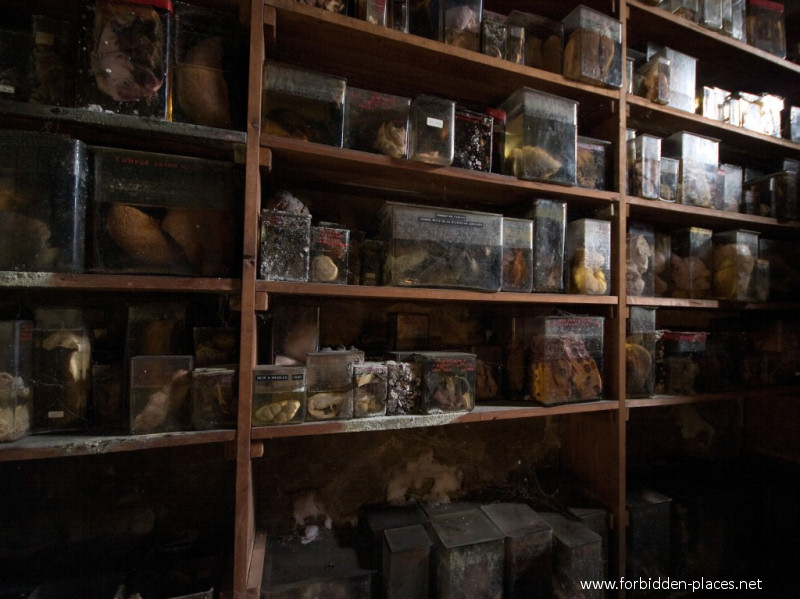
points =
(688, 9)
(662, 269)
(16, 384)
(302, 104)
(438, 247)
(160, 399)
(462, 23)
(294, 334)
(691, 263)
(51, 78)
(61, 370)
(774, 195)
(528, 549)
(592, 170)
(731, 187)
(329, 255)
(593, 47)
(279, 395)
(710, 14)
(431, 133)
(373, 11)
(473, 140)
(424, 19)
(683, 353)
(404, 385)
(330, 384)
(162, 214)
(761, 113)
(566, 359)
(734, 254)
(126, 50)
(733, 19)
(376, 122)
(640, 352)
(646, 176)
(369, 389)
(448, 381)
(577, 555)
(406, 562)
(699, 179)
(760, 284)
(498, 138)
(214, 398)
(588, 252)
(468, 555)
(549, 238)
(515, 44)
(766, 26)
(494, 34)
(682, 75)
(541, 136)
(652, 80)
(371, 262)
(284, 246)
(791, 123)
(215, 346)
(639, 274)
(205, 66)
(711, 104)
(668, 185)
(13, 64)
(544, 40)
(517, 255)
(43, 186)
(155, 329)
(398, 15)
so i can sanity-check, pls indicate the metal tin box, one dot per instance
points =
(577, 556)
(406, 562)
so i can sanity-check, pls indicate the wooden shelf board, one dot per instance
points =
(736, 143)
(35, 447)
(362, 52)
(99, 127)
(677, 400)
(681, 215)
(104, 282)
(721, 59)
(358, 170)
(424, 294)
(710, 304)
(481, 413)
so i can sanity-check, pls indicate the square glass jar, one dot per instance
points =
(214, 398)
(473, 140)
(682, 76)
(16, 384)
(160, 394)
(431, 133)
(494, 34)
(369, 389)
(549, 239)
(734, 255)
(639, 274)
(125, 57)
(640, 352)
(731, 187)
(699, 180)
(541, 139)
(646, 175)
(330, 384)
(302, 104)
(593, 47)
(772, 195)
(662, 264)
(284, 246)
(43, 183)
(680, 356)
(439, 247)
(376, 122)
(766, 26)
(448, 381)
(279, 395)
(733, 19)
(205, 65)
(710, 14)
(373, 11)
(592, 171)
(691, 263)
(588, 253)
(462, 23)
(668, 185)
(329, 253)
(517, 255)
(652, 80)
(688, 9)
(544, 40)
(162, 214)
(566, 359)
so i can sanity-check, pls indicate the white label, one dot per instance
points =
(7, 89)
(56, 414)
(44, 39)
(432, 122)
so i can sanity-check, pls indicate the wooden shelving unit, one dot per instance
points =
(372, 57)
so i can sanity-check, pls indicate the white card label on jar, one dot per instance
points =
(55, 414)
(432, 122)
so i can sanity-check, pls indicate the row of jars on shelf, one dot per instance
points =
(166, 60)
